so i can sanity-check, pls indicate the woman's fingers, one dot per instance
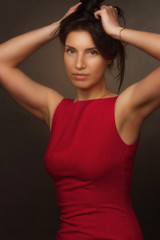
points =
(106, 10)
(71, 10)
(97, 14)
(109, 18)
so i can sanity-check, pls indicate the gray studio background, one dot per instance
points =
(28, 207)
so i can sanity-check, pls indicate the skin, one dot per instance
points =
(133, 105)
(85, 66)
(138, 101)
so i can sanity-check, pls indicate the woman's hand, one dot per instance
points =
(70, 11)
(55, 25)
(109, 19)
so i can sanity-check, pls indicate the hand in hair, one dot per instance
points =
(109, 19)
(70, 11)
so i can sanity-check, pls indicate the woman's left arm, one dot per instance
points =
(143, 97)
(146, 41)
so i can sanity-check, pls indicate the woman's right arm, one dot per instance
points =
(39, 100)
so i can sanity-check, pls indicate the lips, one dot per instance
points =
(80, 76)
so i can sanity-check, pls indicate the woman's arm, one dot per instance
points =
(146, 41)
(142, 98)
(17, 49)
(34, 97)
(39, 100)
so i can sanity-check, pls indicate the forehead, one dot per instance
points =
(80, 39)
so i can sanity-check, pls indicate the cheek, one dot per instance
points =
(99, 67)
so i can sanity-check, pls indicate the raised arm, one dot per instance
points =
(32, 96)
(142, 98)
(17, 49)
(39, 100)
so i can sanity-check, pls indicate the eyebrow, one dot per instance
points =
(91, 48)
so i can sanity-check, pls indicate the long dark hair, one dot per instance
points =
(84, 19)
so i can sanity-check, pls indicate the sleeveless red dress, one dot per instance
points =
(92, 170)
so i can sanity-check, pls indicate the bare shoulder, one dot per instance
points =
(54, 99)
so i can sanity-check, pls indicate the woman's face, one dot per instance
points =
(85, 66)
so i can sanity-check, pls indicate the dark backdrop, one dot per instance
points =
(28, 207)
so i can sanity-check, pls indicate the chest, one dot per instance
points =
(82, 143)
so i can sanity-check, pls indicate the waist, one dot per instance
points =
(99, 223)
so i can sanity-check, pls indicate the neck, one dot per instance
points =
(92, 93)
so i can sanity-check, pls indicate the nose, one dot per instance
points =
(80, 62)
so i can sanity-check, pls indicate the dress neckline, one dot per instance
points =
(94, 99)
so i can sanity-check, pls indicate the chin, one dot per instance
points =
(83, 84)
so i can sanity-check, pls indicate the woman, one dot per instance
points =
(93, 137)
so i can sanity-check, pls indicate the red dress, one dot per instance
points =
(92, 170)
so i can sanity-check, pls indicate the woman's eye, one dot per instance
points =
(70, 51)
(93, 52)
